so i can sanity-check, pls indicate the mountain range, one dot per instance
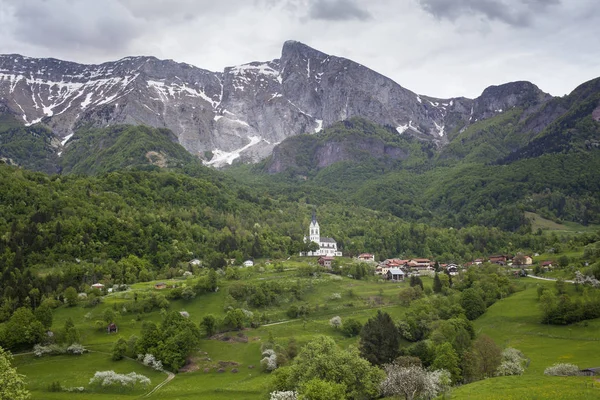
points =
(243, 112)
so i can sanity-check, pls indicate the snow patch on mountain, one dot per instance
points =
(222, 158)
(402, 128)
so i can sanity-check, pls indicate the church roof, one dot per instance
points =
(328, 240)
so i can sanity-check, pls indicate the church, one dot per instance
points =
(327, 246)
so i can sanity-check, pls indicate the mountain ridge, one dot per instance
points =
(239, 113)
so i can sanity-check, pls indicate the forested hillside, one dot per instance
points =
(128, 226)
(465, 184)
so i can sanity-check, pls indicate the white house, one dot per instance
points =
(327, 246)
(395, 274)
(248, 263)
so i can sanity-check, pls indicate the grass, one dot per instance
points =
(359, 300)
(74, 371)
(514, 322)
(530, 388)
(539, 222)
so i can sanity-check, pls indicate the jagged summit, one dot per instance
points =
(240, 113)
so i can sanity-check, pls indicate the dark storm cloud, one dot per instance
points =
(337, 10)
(81, 24)
(520, 13)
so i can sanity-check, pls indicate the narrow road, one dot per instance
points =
(160, 385)
(546, 279)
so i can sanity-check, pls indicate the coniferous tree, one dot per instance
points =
(437, 284)
(379, 339)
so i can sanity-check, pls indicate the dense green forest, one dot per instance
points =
(465, 184)
(121, 227)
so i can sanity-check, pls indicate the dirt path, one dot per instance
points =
(160, 385)
(546, 279)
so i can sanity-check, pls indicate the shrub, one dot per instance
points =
(150, 361)
(513, 363)
(55, 387)
(562, 369)
(292, 312)
(335, 322)
(53, 349)
(351, 327)
(286, 395)
(335, 296)
(112, 379)
(76, 349)
(269, 360)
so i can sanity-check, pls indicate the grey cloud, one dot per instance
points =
(337, 10)
(519, 13)
(76, 25)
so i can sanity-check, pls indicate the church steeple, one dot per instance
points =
(314, 230)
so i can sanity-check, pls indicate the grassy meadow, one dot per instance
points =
(514, 322)
(511, 322)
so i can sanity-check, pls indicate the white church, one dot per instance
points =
(327, 246)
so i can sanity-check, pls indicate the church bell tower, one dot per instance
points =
(314, 230)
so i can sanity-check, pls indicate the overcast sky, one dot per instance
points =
(442, 48)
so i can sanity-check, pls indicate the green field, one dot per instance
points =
(539, 222)
(511, 322)
(359, 300)
(514, 322)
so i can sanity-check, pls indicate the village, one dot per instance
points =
(395, 269)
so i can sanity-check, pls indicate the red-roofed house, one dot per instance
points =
(366, 257)
(325, 261)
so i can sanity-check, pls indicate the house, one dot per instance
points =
(420, 263)
(327, 246)
(325, 261)
(452, 269)
(98, 286)
(395, 274)
(590, 371)
(112, 328)
(521, 260)
(478, 261)
(248, 263)
(160, 286)
(184, 314)
(385, 265)
(195, 263)
(546, 264)
(367, 257)
(500, 260)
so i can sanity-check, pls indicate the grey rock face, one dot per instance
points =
(242, 112)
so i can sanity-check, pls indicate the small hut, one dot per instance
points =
(112, 328)
(160, 286)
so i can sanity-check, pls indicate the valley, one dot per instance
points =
(152, 215)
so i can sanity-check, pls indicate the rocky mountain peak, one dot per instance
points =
(242, 112)
(496, 99)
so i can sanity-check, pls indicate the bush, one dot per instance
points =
(53, 349)
(112, 379)
(335, 322)
(513, 363)
(286, 395)
(55, 387)
(150, 361)
(335, 296)
(351, 327)
(269, 360)
(562, 369)
(76, 349)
